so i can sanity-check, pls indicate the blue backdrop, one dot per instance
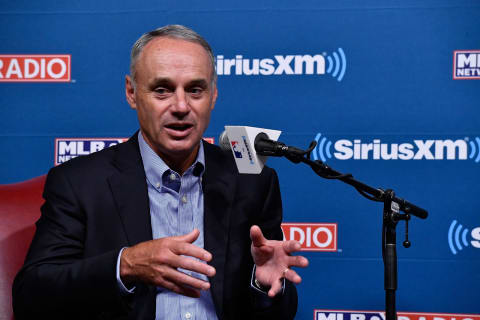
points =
(356, 76)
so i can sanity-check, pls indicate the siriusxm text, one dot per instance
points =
(416, 150)
(476, 236)
(289, 64)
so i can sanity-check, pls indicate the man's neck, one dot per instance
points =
(178, 163)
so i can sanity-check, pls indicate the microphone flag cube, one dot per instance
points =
(242, 144)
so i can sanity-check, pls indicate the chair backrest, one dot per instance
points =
(19, 210)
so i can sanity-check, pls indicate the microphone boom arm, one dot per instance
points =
(392, 205)
(267, 147)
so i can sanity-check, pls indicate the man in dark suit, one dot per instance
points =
(158, 226)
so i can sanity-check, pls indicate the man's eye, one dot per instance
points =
(161, 90)
(196, 91)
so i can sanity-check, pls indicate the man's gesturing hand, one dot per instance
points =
(156, 262)
(273, 261)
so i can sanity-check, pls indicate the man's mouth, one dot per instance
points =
(179, 130)
(179, 126)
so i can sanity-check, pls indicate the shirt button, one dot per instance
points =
(184, 199)
(172, 176)
(158, 185)
(188, 315)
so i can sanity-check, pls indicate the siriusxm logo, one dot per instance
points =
(375, 149)
(319, 64)
(466, 64)
(69, 148)
(457, 235)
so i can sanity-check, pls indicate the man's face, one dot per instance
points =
(173, 96)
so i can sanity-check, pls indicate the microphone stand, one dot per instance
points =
(392, 205)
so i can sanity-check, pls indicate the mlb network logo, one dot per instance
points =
(319, 64)
(378, 315)
(35, 68)
(466, 64)
(457, 235)
(416, 149)
(312, 236)
(69, 148)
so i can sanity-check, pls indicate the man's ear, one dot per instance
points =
(130, 92)
(214, 98)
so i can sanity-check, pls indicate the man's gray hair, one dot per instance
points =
(173, 31)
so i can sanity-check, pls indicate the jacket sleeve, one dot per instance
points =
(282, 306)
(57, 278)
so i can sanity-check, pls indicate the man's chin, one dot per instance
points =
(182, 148)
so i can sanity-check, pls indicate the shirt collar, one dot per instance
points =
(155, 167)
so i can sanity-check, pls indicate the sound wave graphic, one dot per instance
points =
(322, 150)
(475, 150)
(456, 237)
(338, 64)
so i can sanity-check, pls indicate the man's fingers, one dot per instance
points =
(297, 261)
(189, 237)
(292, 276)
(182, 279)
(193, 265)
(291, 246)
(257, 237)
(276, 287)
(265, 249)
(188, 249)
(186, 291)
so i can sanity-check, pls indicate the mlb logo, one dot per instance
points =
(466, 64)
(236, 152)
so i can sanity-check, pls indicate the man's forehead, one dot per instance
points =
(164, 53)
(166, 45)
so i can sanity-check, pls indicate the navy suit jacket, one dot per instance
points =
(97, 204)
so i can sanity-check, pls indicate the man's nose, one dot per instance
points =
(180, 104)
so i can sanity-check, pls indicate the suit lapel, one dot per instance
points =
(129, 189)
(218, 190)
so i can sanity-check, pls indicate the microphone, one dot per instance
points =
(266, 147)
(250, 146)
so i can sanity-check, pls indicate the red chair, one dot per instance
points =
(19, 210)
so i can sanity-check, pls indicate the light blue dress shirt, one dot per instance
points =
(176, 208)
